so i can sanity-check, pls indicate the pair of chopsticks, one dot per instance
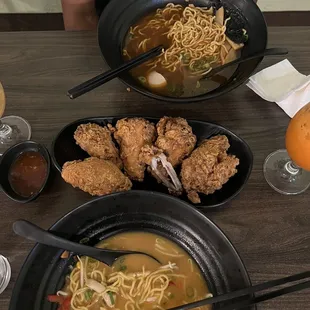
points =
(113, 73)
(251, 300)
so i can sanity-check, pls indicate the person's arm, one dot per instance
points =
(79, 14)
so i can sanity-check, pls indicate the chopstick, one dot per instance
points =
(111, 74)
(250, 290)
(267, 296)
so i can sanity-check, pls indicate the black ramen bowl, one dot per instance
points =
(64, 148)
(44, 272)
(8, 159)
(118, 16)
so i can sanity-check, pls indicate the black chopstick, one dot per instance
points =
(111, 74)
(267, 296)
(246, 291)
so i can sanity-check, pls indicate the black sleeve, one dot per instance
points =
(100, 5)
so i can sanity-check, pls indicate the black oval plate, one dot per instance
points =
(44, 271)
(65, 149)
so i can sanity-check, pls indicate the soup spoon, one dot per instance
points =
(34, 233)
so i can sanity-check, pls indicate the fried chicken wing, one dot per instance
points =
(175, 138)
(97, 142)
(132, 134)
(208, 168)
(175, 141)
(95, 176)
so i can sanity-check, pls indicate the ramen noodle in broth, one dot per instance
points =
(136, 281)
(194, 41)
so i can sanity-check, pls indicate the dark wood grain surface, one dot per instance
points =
(270, 231)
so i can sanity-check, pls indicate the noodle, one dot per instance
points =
(191, 264)
(194, 37)
(134, 282)
(194, 41)
(162, 248)
(142, 286)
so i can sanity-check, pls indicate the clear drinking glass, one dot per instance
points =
(288, 171)
(5, 273)
(13, 129)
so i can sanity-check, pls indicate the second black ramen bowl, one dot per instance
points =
(44, 271)
(118, 16)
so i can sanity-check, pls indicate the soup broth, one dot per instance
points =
(137, 281)
(196, 47)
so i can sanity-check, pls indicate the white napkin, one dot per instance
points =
(283, 84)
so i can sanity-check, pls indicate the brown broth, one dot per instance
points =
(179, 83)
(28, 173)
(181, 291)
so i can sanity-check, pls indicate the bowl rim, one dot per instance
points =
(36, 248)
(247, 147)
(182, 100)
(48, 163)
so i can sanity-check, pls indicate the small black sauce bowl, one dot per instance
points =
(8, 159)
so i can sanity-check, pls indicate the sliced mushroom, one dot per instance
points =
(225, 49)
(231, 56)
(235, 46)
(219, 16)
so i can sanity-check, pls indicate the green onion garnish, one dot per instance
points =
(142, 79)
(111, 298)
(123, 268)
(88, 295)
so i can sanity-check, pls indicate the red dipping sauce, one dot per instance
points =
(28, 173)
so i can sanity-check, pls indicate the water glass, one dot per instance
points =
(5, 273)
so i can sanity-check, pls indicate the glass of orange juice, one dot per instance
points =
(13, 129)
(288, 171)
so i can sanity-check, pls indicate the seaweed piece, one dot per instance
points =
(235, 26)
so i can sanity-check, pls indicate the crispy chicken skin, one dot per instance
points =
(95, 176)
(175, 138)
(132, 134)
(208, 168)
(97, 142)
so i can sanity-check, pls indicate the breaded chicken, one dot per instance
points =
(97, 142)
(95, 176)
(208, 168)
(132, 134)
(175, 142)
(175, 138)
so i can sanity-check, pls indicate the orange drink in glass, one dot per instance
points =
(298, 138)
(13, 129)
(288, 171)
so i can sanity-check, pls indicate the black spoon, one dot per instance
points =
(266, 52)
(34, 233)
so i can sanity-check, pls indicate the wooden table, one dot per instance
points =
(270, 231)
